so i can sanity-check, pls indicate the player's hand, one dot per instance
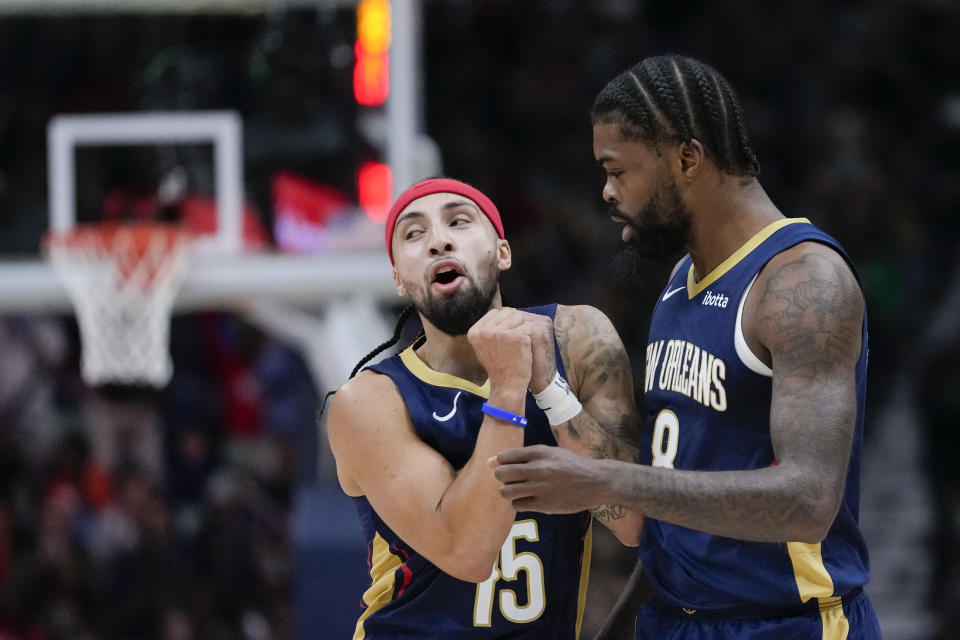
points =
(540, 330)
(502, 346)
(549, 479)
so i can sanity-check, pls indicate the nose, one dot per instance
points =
(609, 194)
(440, 241)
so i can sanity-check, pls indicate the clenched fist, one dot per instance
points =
(542, 346)
(502, 345)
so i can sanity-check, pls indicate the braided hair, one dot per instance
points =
(674, 98)
(397, 331)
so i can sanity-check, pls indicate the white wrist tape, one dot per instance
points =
(558, 401)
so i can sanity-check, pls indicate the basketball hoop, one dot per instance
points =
(122, 280)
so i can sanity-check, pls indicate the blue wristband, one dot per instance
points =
(503, 414)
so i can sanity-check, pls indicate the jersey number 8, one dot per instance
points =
(666, 436)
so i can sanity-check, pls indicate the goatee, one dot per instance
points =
(456, 312)
(660, 237)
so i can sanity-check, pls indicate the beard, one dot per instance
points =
(456, 312)
(660, 236)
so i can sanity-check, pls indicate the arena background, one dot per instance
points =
(209, 509)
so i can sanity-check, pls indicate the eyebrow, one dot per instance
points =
(461, 203)
(407, 215)
(605, 159)
(446, 207)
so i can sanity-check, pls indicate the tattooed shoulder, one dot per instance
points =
(810, 309)
(590, 346)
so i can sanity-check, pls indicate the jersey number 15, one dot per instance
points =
(509, 565)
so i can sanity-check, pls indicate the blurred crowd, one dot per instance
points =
(173, 507)
(128, 513)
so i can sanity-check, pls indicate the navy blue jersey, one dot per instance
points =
(707, 399)
(538, 587)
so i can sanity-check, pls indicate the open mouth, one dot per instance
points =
(447, 276)
(445, 272)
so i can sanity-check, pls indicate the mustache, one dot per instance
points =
(617, 214)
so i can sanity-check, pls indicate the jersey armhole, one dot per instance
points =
(748, 357)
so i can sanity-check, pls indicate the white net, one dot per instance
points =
(122, 281)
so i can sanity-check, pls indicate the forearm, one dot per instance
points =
(473, 519)
(765, 505)
(584, 435)
(608, 426)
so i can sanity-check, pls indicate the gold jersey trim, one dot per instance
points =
(835, 623)
(383, 567)
(584, 576)
(694, 288)
(420, 369)
(814, 581)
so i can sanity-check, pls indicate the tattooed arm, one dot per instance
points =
(598, 372)
(804, 316)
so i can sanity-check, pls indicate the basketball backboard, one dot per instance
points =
(222, 273)
(222, 129)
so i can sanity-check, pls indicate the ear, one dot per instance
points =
(401, 290)
(691, 156)
(504, 255)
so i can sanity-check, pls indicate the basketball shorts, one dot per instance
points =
(848, 620)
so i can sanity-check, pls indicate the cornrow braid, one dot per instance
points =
(675, 99)
(714, 135)
(655, 113)
(722, 116)
(747, 156)
(639, 126)
(663, 94)
(693, 109)
(401, 320)
(397, 331)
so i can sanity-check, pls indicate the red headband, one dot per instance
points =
(440, 185)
